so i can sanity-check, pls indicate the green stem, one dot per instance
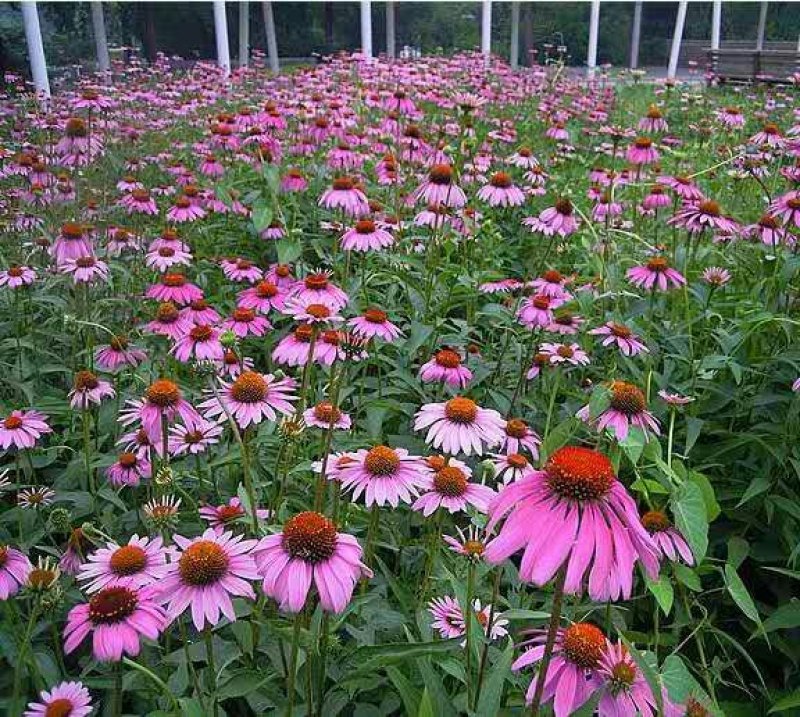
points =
(212, 670)
(290, 675)
(555, 619)
(116, 709)
(485, 654)
(155, 679)
(21, 657)
(556, 385)
(468, 612)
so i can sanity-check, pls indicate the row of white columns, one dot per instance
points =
(33, 35)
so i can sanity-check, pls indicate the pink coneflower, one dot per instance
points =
(233, 364)
(655, 275)
(35, 498)
(317, 288)
(174, 287)
(674, 399)
(310, 550)
(66, 699)
(510, 467)
(446, 367)
(346, 197)
(768, 231)
(251, 398)
(88, 390)
(558, 219)
(470, 544)
(570, 354)
(502, 286)
(787, 208)
(769, 135)
(241, 270)
(573, 512)
(128, 470)
(116, 617)
(162, 399)
(440, 189)
(565, 323)
(537, 311)
(14, 569)
(449, 488)
(85, 269)
(138, 563)
(460, 425)
(627, 342)
(375, 323)
(139, 201)
(628, 407)
(165, 257)
(653, 121)
(669, 542)
(22, 429)
(716, 276)
(500, 191)
(572, 674)
(200, 343)
(294, 349)
(184, 210)
(518, 437)
(655, 199)
(16, 276)
(366, 236)
(326, 415)
(523, 158)
(731, 117)
(200, 312)
(209, 570)
(310, 313)
(193, 439)
(642, 152)
(625, 691)
(682, 186)
(275, 230)
(262, 297)
(244, 322)
(169, 321)
(551, 284)
(706, 214)
(449, 622)
(219, 516)
(293, 181)
(384, 475)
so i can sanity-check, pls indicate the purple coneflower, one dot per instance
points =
(446, 367)
(366, 236)
(14, 569)
(518, 437)
(669, 542)
(262, 297)
(627, 342)
(194, 438)
(219, 516)
(140, 562)
(656, 274)
(89, 390)
(251, 397)
(384, 475)
(374, 323)
(200, 343)
(628, 407)
(460, 425)
(571, 354)
(558, 219)
(346, 197)
(128, 470)
(16, 276)
(440, 189)
(175, 288)
(500, 191)
(119, 352)
(326, 415)
(22, 429)
(66, 699)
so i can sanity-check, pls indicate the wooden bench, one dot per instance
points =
(742, 65)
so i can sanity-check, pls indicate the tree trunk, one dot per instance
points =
(526, 41)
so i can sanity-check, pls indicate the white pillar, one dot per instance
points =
(366, 28)
(514, 35)
(33, 34)
(100, 42)
(221, 32)
(716, 24)
(677, 37)
(390, 39)
(486, 31)
(594, 33)
(269, 30)
(244, 33)
(762, 25)
(636, 34)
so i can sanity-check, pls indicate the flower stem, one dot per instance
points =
(555, 619)
(498, 575)
(116, 709)
(21, 656)
(156, 680)
(290, 675)
(212, 670)
(553, 396)
(468, 613)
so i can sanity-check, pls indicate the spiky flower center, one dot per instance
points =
(541, 302)
(564, 206)
(771, 128)
(441, 174)
(473, 548)
(201, 332)
(309, 536)
(166, 252)
(517, 461)
(167, 312)
(566, 352)
(375, 316)
(12, 423)
(580, 474)
(75, 127)
(643, 143)
(343, 184)
(249, 387)
(620, 331)
(461, 410)
(203, 563)
(303, 333)
(318, 311)
(382, 461)
(695, 709)
(450, 482)
(3, 555)
(227, 513)
(653, 112)
(447, 358)
(316, 282)
(112, 605)
(710, 207)
(657, 263)
(244, 315)
(326, 412)
(627, 398)
(119, 343)
(655, 521)
(174, 281)
(85, 262)
(436, 463)
(128, 560)
(140, 195)
(501, 180)
(623, 675)
(266, 290)
(163, 393)
(127, 460)
(85, 381)
(583, 645)
(365, 226)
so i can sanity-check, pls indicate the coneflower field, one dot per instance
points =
(419, 388)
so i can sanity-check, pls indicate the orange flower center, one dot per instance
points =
(643, 143)
(127, 460)
(461, 410)
(61, 707)
(326, 412)
(227, 513)
(15, 271)
(85, 262)
(310, 537)
(343, 184)
(501, 179)
(657, 263)
(450, 482)
(516, 428)
(564, 206)
(474, 548)
(203, 563)
(173, 280)
(620, 331)
(163, 393)
(583, 645)
(303, 333)
(375, 316)
(266, 290)
(166, 251)
(85, 381)
(167, 312)
(245, 315)
(249, 387)
(128, 560)
(655, 521)
(382, 461)
(627, 398)
(71, 230)
(316, 282)
(318, 311)
(141, 195)
(12, 423)
(517, 460)
(112, 605)
(541, 302)
(710, 207)
(201, 332)
(365, 226)
(448, 358)
(578, 473)
(565, 351)
(441, 174)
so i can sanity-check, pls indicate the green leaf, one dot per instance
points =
(689, 509)
(558, 437)
(289, 250)
(739, 593)
(425, 705)
(786, 617)
(786, 703)
(407, 692)
(600, 400)
(679, 681)
(191, 707)
(693, 428)
(687, 576)
(712, 506)
(633, 445)
(492, 692)
(738, 550)
(262, 216)
(241, 683)
(760, 484)
(663, 591)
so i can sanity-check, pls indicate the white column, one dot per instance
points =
(677, 37)
(514, 35)
(762, 25)
(636, 34)
(594, 33)
(716, 24)
(486, 31)
(33, 34)
(100, 42)
(390, 39)
(269, 30)
(221, 32)
(366, 28)
(244, 33)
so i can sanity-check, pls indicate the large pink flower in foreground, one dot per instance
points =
(211, 569)
(22, 429)
(460, 425)
(66, 699)
(310, 550)
(574, 511)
